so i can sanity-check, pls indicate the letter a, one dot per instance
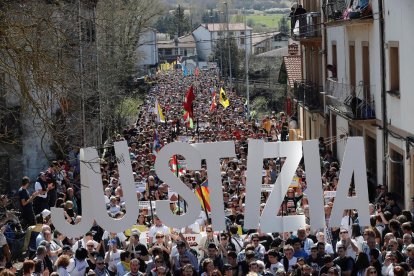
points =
(354, 162)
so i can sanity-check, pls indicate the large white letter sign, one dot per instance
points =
(354, 162)
(253, 183)
(128, 188)
(57, 214)
(270, 221)
(193, 158)
(313, 179)
(212, 152)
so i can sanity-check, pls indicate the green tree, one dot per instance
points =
(211, 17)
(283, 25)
(173, 24)
(221, 55)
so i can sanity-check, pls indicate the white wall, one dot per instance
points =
(399, 23)
(203, 39)
(147, 51)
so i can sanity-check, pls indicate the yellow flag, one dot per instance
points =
(160, 116)
(223, 98)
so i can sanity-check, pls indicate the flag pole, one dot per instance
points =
(176, 174)
(204, 200)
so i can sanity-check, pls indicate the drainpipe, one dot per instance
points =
(383, 94)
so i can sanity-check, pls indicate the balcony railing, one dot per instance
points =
(354, 102)
(308, 25)
(308, 93)
(338, 10)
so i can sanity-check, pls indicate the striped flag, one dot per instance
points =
(203, 189)
(176, 166)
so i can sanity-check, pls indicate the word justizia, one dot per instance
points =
(94, 209)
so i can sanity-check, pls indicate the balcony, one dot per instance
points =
(308, 93)
(308, 25)
(338, 13)
(353, 102)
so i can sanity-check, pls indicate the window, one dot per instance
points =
(352, 73)
(397, 173)
(366, 71)
(394, 68)
(242, 38)
(168, 52)
(371, 156)
(334, 60)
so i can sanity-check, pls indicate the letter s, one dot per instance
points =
(163, 171)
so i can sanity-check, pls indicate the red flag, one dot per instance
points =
(188, 101)
(213, 102)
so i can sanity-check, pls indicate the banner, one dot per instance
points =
(329, 194)
(140, 186)
(194, 241)
(146, 204)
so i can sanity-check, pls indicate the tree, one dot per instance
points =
(221, 55)
(176, 23)
(283, 25)
(211, 17)
(120, 24)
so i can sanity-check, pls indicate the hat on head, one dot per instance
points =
(45, 213)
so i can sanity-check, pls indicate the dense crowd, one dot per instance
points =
(152, 248)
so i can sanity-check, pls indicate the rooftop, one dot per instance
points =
(215, 27)
(279, 52)
(293, 68)
(186, 41)
(260, 37)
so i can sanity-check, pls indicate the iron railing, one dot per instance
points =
(340, 10)
(355, 102)
(309, 25)
(308, 93)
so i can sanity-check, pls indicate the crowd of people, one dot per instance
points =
(152, 248)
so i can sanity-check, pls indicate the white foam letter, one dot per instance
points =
(253, 183)
(270, 221)
(354, 162)
(212, 152)
(57, 214)
(193, 158)
(313, 179)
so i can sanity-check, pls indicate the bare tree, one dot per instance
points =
(119, 26)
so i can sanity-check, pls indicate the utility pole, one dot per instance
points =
(246, 65)
(228, 43)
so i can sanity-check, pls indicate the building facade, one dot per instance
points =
(207, 35)
(363, 70)
(147, 50)
(265, 42)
